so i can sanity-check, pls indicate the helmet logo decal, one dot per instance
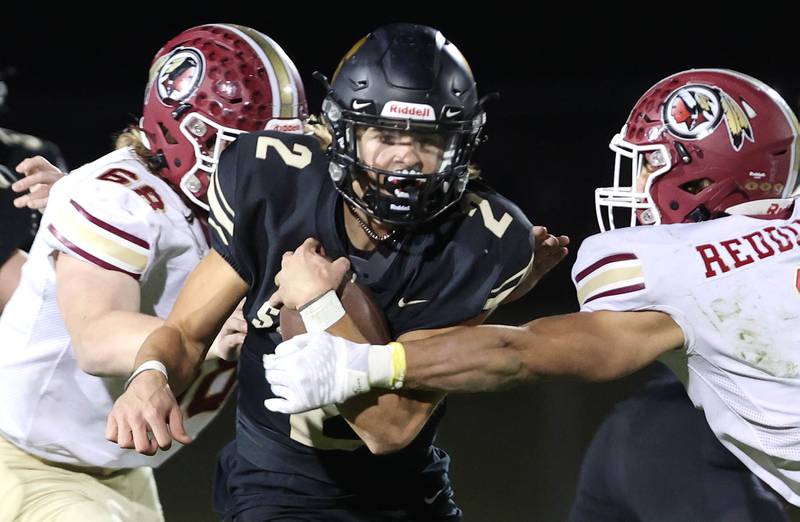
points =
(695, 111)
(410, 111)
(180, 75)
(692, 112)
(737, 121)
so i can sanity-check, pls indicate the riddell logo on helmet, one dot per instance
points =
(411, 111)
(293, 126)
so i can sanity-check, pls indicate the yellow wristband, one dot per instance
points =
(398, 364)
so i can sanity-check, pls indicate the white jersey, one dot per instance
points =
(733, 286)
(113, 213)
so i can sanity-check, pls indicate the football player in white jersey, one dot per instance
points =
(117, 241)
(711, 157)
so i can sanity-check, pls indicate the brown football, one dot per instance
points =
(361, 308)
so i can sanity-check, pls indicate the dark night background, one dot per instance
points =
(565, 90)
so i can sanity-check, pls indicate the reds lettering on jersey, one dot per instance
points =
(722, 256)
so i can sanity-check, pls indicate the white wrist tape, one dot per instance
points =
(322, 313)
(387, 366)
(147, 365)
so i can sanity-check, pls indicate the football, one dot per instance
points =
(360, 306)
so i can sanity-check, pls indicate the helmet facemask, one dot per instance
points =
(404, 192)
(208, 139)
(636, 167)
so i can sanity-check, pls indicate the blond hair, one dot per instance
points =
(133, 137)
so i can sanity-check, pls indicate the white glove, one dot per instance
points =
(316, 369)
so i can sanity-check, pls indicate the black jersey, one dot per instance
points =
(19, 225)
(272, 192)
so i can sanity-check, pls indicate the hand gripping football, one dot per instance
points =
(359, 305)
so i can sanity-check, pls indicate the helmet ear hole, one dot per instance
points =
(696, 186)
(168, 137)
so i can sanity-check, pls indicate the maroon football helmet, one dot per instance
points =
(701, 144)
(206, 86)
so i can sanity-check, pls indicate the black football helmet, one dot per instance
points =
(409, 80)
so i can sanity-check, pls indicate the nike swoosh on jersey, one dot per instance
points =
(402, 303)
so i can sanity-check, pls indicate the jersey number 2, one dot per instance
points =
(496, 226)
(298, 159)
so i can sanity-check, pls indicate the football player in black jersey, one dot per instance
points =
(391, 193)
(655, 457)
(19, 224)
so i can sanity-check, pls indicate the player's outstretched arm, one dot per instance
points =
(177, 348)
(595, 346)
